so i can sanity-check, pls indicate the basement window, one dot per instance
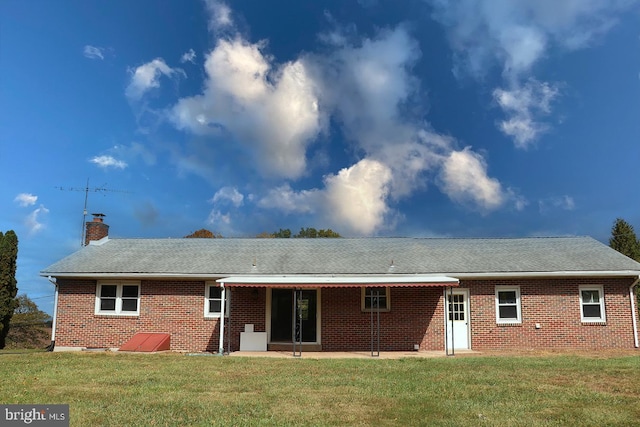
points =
(118, 298)
(508, 304)
(213, 300)
(592, 304)
(376, 298)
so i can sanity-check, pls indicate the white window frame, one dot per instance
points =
(119, 284)
(518, 305)
(227, 307)
(387, 294)
(603, 317)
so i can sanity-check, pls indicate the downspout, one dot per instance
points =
(223, 303)
(52, 345)
(632, 297)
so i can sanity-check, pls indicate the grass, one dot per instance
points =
(173, 389)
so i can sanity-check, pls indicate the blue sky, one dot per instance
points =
(374, 118)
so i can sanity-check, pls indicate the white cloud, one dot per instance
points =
(357, 196)
(93, 52)
(522, 105)
(147, 76)
(32, 221)
(189, 56)
(276, 111)
(285, 199)
(219, 16)
(271, 110)
(25, 199)
(464, 180)
(228, 194)
(108, 161)
(517, 35)
(217, 218)
(353, 200)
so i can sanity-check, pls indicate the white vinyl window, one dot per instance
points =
(213, 300)
(592, 304)
(118, 298)
(376, 298)
(508, 304)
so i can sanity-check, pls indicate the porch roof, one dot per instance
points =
(304, 281)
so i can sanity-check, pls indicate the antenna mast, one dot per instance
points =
(86, 190)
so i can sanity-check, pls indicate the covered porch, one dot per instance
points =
(305, 313)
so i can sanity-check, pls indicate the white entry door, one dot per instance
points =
(457, 319)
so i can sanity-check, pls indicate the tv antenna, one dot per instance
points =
(86, 190)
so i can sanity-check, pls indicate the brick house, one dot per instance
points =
(378, 294)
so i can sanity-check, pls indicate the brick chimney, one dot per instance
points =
(96, 229)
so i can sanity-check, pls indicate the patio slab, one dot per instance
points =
(350, 354)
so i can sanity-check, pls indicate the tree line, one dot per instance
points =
(283, 233)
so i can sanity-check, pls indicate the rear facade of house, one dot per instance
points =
(386, 294)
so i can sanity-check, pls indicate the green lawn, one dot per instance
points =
(173, 389)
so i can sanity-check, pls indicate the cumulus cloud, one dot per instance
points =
(217, 218)
(357, 196)
(219, 16)
(272, 110)
(366, 85)
(147, 76)
(516, 35)
(275, 111)
(287, 200)
(228, 195)
(25, 199)
(521, 105)
(32, 221)
(93, 52)
(108, 162)
(464, 179)
(189, 56)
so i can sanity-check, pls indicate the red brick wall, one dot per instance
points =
(555, 305)
(416, 317)
(172, 307)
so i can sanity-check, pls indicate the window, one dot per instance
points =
(508, 304)
(213, 300)
(592, 304)
(119, 298)
(376, 298)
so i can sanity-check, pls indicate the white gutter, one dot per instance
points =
(365, 277)
(632, 297)
(222, 314)
(55, 315)
(309, 279)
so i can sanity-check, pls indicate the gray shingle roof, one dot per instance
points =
(221, 257)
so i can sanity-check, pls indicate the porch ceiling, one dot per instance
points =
(301, 281)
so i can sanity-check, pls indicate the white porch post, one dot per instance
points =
(222, 314)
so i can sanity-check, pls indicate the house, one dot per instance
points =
(388, 294)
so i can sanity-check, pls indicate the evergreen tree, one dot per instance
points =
(624, 240)
(8, 282)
